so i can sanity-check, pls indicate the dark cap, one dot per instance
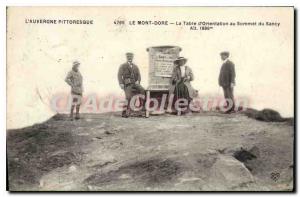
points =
(129, 54)
(226, 53)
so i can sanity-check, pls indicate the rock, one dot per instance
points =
(90, 188)
(72, 168)
(58, 160)
(212, 151)
(267, 115)
(125, 176)
(190, 184)
(232, 149)
(244, 155)
(83, 134)
(270, 115)
(108, 132)
(229, 173)
(255, 151)
(42, 183)
(57, 117)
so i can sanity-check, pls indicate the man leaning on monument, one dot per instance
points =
(129, 80)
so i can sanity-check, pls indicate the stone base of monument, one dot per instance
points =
(161, 65)
(156, 95)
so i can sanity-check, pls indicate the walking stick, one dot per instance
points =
(178, 111)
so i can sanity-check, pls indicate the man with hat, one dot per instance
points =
(227, 79)
(74, 80)
(181, 87)
(129, 80)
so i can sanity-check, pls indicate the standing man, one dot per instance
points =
(227, 79)
(74, 79)
(129, 80)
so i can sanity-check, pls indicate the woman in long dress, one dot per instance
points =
(181, 77)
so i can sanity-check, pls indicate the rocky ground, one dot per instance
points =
(206, 151)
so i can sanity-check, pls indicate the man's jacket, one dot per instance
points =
(74, 79)
(227, 74)
(128, 75)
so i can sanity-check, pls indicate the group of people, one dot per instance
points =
(129, 79)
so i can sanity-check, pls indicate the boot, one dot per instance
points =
(71, 113)
(77, 117)
(124, 114)
(188, 110)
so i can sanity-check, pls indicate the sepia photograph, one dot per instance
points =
(151, 98)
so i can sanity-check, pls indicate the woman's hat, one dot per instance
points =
(180, 59)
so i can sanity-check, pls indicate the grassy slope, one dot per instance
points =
(107, 152)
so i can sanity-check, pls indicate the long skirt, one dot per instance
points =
(181, 91)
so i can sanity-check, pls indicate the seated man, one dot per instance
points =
(180, 83)
(129, 80)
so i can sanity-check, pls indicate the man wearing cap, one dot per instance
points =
(227, 79)
(129, 80)
(181, 87)
(74, 80)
